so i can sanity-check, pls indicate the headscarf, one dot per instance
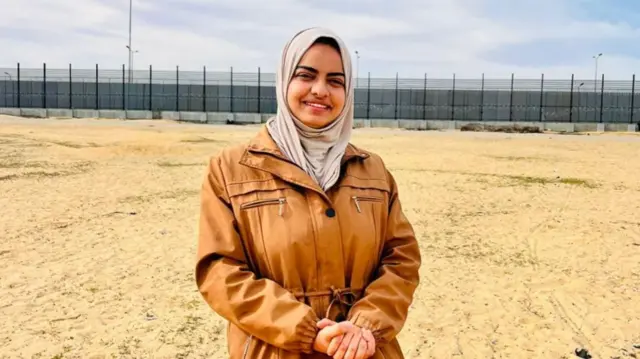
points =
(317, 151)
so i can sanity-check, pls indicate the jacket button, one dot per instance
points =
(330, 213)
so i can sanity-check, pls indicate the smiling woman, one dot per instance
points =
(303, 246)
(316, 93)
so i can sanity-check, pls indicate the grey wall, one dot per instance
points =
(434, 104)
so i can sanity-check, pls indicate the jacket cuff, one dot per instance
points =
(306, 333)
(363, 322)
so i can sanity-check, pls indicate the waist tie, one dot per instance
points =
(345, 297)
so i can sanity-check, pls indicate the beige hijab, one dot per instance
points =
(317, 151)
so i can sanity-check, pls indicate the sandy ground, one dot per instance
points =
(531, 243)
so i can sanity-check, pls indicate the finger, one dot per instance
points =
(323, 323)
(334, 344)
(353, 346)
(371, 349)
(363, 349)
(371, 342)
(339, 328)
(344, 345)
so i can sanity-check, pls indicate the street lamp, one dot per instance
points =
(5, 89)
(130, 21)
(595, 89)
(131, 52)
(579, 97)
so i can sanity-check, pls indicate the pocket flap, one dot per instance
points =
(241, 188)
(365, 183)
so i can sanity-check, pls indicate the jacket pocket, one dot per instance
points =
(281, 201)
(358, 200)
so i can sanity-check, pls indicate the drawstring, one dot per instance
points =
(346, 297)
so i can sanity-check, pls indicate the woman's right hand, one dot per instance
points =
(328, 331)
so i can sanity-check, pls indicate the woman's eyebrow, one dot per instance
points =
(311, 69)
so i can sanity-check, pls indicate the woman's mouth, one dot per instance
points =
(317, 106)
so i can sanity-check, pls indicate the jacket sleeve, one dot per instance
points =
(260, 307)
(385, 303)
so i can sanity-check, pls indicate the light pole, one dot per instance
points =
(131, 52)
(579, 86)
(5, 89)
(595, 79)
(130, 81)
(357, 68)
(129, 46)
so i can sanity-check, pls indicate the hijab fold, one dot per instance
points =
(317, 151)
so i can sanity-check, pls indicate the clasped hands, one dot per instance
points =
(344, 340)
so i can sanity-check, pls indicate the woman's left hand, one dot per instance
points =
(356, 344)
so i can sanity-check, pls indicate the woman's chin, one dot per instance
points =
(315, 121)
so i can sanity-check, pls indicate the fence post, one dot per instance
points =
(396, 102)
(151, 88)
(178, 88)
(231, 91)
(571, 100)
(97, 92)
(70, 89)
(482, 99)
(259, 85)
(124, 88)
(541, 97)
(368, 93)
(204, 89)
(453, 98)
(511, 99)
(19, 96)
(633, 96)
(424, 99)
(44, 85)
(601, 98)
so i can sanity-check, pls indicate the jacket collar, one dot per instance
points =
(263, 142)
(263, 153)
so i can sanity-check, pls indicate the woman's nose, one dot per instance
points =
(319, 88)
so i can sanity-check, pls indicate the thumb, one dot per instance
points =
(323, 323)
(339, 328)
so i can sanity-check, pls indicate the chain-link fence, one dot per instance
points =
(513, 99)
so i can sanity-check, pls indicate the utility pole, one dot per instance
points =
(129, 47)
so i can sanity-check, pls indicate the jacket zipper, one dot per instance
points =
(358, 199)
(264, 202)
(246, 347)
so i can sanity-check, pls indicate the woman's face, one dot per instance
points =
(316, 92)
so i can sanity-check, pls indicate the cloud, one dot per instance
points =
(411, 37)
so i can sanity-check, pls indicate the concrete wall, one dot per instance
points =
(86, 113)
(9, 111)
(255, 118)
(59, 113)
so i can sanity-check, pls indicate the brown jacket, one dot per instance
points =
(276, 253)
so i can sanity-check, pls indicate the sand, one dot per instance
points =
(530, 243)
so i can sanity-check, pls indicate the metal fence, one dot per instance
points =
(514, 99)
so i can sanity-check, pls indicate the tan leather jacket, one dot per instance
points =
(276, 253)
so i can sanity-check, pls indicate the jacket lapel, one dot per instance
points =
(263, 154)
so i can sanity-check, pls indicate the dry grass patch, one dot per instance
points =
(530, 243)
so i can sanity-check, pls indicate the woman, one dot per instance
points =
(303, 246)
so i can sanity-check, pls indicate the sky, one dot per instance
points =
(408, 37)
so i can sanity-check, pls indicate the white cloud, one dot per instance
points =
(411, 37)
